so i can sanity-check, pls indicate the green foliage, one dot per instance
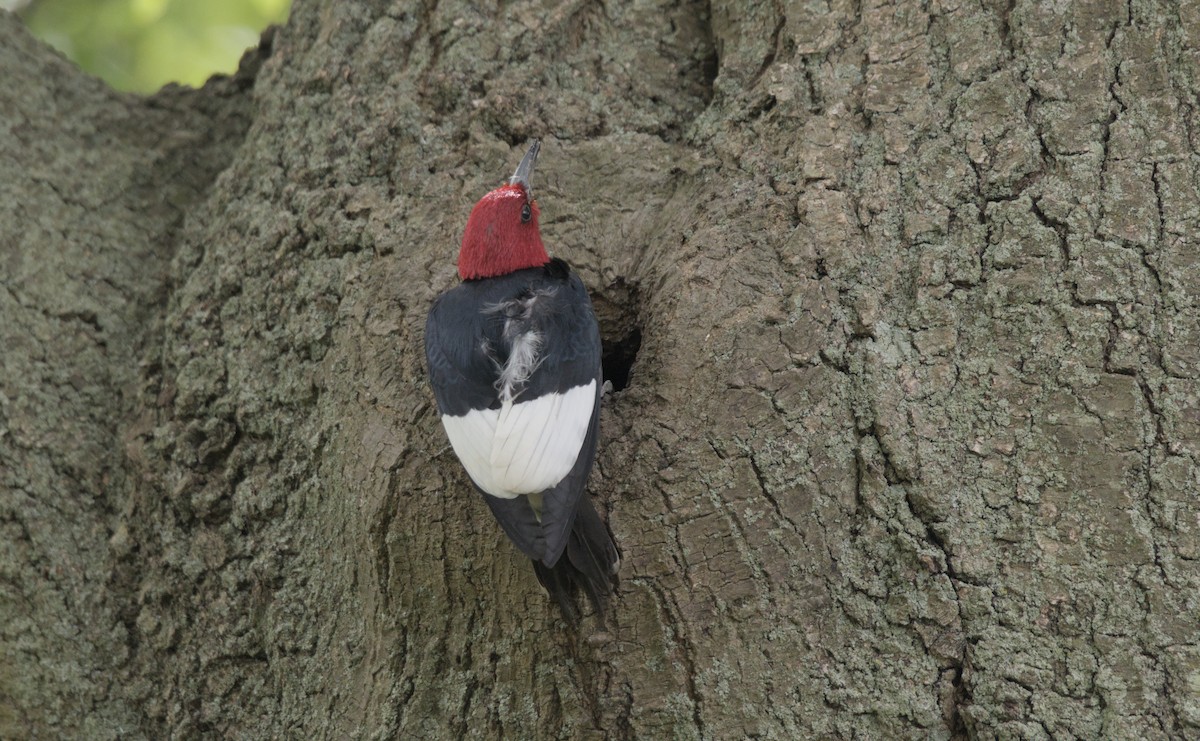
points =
(141, 45)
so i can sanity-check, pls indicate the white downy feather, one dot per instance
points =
(523, 360)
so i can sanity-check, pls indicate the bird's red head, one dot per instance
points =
(502, 232)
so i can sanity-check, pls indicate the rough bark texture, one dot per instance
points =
(910, 446)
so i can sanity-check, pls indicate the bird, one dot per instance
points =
(514, 359)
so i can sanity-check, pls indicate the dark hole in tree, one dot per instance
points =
(620, 330)
(618, 358)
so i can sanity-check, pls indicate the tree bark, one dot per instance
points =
(903, 305)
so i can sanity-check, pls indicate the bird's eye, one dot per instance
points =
(526, 214)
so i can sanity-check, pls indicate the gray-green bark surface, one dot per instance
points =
(910, 448)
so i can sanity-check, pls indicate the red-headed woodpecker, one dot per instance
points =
(514, 360)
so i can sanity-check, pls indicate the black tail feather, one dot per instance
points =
(589, 561)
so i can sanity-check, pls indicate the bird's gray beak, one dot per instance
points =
(525, 169)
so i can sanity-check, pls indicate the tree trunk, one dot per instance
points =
(901, 303)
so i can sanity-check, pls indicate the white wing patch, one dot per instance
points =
(523, 447)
